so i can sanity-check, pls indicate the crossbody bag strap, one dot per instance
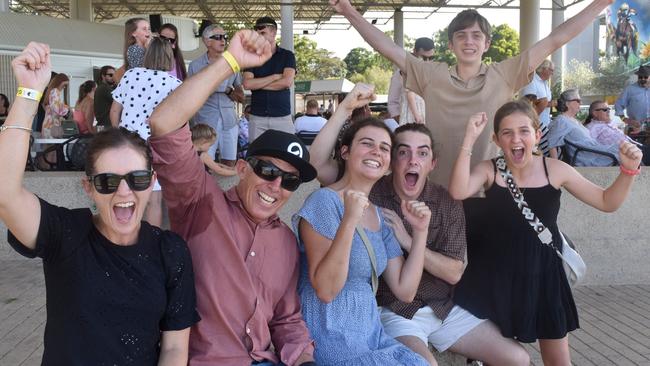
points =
(543, 233)
(373, 258)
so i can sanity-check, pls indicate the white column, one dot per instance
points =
(4, 6)
(398, 27)
(528, 23)
(81, 10)
(286, 41)
(558, 56)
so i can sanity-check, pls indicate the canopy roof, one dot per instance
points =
(311, 15)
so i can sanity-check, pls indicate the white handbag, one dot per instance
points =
(574, 266)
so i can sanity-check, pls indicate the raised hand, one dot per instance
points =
(361, 95)
(396, 223)
(354, 203)
(340, 5)
(475, 126)
(417, 214)
(629, 155)
(32, 68)
(249, 49)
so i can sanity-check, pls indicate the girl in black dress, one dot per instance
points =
(512, 278)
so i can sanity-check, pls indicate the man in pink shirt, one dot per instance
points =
(245, 258)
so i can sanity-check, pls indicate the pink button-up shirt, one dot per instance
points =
(245, 273)
(605, 133)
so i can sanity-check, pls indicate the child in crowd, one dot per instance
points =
(512, 277)
(204, 136)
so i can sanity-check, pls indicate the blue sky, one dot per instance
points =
(642, 17)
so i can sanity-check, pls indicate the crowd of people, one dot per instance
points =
(383, 260)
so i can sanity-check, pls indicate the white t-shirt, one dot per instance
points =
(139, 92)
(310, 123)
(540, 89)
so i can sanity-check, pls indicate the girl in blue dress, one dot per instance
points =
(335, 286)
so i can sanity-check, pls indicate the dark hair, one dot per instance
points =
(566, 96)
(351, 132)
(5, 101)
(104, 70)
(517, 106)
(85, 88)
(466, 19)
(424, 43)
(178, 54)
(114, 138)
(592, 107)
(420, 128)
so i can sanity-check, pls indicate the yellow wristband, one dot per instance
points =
(230, 59)
(29, 93)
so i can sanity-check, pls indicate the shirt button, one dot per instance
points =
(248, 330)
(252, 254)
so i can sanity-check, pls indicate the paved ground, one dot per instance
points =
(615, 320)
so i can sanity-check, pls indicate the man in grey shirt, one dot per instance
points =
(219, 110)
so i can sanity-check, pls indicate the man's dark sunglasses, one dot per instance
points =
(643, 76)
(269, 172)
(603, 109)
(107, 183)
(170, 40)
(111, 75)
(219, 37)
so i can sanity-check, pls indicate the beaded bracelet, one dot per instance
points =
(630, 172)
(230, 59)
(29, 93)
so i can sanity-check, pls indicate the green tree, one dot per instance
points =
(612, 75)
(579, 75)
(442, 52)
(358, 60)
(313, 63)
(376, 76)
(505, 44)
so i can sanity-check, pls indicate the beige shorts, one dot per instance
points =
(259, 124)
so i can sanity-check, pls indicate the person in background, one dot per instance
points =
(137, 35)
(512, 277)
(599, 124)
(169, 33)
(4, 105)
(388, 120)
(118, 290)
(242, 139)
(55, 107)
(635, 101)
(84, 110)
(565, 127)
(401, 101)
(540, 88)
(137, 95)
(203, 136)
(270, 85)
(311, 121)
(219, 110)
(103, 98)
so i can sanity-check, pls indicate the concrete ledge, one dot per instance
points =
(613, 245)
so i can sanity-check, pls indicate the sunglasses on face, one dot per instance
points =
(643, 77)
(269, 172)
(427, 58)
(170, 40)
(107, 183)
(219, 37)
(111, 75)
(602, 109)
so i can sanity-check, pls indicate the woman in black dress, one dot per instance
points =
(512, 278)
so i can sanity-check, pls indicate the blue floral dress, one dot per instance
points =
(348, 331)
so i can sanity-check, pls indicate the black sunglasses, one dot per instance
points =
(269, 172)
(219, 37)
(107, 183)
(170, 40)
(603, 109)
(642, 76)
(111, 75)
